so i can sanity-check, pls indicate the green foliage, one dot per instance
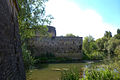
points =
(101, 74)
(88, 44)
(31, 18)
(102, 47)
(90, 48)
(118, 31)
(71, 74)
(117, 51)
(27, 58)
(112, 44)
(117, 36)
(109, 70)
(97, 55)
(101, 43)
(70, 35)
(108, 34)
(96, 72)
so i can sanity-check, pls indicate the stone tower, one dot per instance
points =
(52, 31)
(11, 63)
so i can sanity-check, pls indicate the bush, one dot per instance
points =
(101, 74)
(85, 57)
(27, 58)
(117, 51)
(71, 74)
(97, 55)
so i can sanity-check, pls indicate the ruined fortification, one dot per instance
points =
(52, 31)
(11, 64)
(59, 46)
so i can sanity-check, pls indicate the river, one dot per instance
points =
(52, 71)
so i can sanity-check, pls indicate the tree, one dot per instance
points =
(70, 35)
(108, 34)
(117, 36)
(112, 45)
(88, 44)
(31, 18)
(100, 44)
(90, 49)
(117, 51)
(118, 31)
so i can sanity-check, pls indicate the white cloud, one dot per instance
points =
(70, 18)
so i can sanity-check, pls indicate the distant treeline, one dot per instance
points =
(107, 46)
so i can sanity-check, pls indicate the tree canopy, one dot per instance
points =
(102, 47)
(70, 35)
(32, 17)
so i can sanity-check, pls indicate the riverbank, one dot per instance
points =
(46, 72)
(62, 60)
(52, 71)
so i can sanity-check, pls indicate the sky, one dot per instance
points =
(84, 17)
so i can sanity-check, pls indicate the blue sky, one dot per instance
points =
(108, 9)
(84, 17)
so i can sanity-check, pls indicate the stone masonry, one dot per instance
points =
(11, 63)
(59, 46)
(52, 31)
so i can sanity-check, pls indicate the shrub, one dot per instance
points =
(71, 74)
(27, 58)
(85, 56)
(117, 51)
(101, 74)
(97, 55)
(94, 55)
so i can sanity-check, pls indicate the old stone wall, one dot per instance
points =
(60, 46)
(11, 63)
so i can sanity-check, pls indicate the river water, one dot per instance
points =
(52, 71)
